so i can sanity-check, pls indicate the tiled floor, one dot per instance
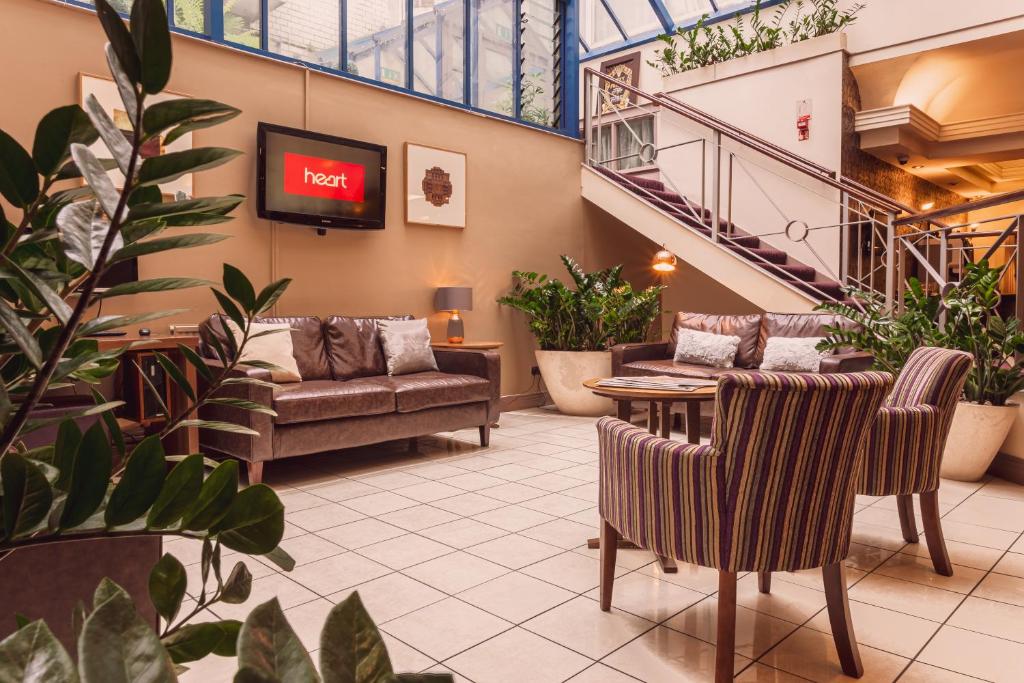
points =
(474, 561)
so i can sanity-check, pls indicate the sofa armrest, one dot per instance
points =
(855, 361)
(629, 353)
(242, 446)
(485, 364)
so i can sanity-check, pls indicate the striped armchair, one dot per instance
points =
(904, 451)
(773, 491)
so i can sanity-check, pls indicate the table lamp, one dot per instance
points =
(454, 300)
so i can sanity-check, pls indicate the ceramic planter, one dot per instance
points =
(975, 435)
(564, 373)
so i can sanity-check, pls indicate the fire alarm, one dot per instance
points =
(803, 120)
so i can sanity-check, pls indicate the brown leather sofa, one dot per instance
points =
(346, 397)
(753, 331)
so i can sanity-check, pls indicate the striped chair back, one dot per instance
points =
(934, 377)
(791, 447)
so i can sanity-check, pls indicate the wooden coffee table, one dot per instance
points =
(659, 404)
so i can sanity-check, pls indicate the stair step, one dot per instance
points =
(798, 271)
(647, 183)
(761, 254)
(829, 287)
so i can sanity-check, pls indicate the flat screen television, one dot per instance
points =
(321, 180)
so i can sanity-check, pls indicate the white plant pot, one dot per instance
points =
(975, 435)
(564, 373)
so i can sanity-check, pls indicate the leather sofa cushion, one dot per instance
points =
(674, 369)
(327, 399)
(746, 327)
(307, 345)
(353, 346)
(797, 325)
(421, 390)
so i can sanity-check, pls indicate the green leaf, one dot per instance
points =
(167, 584)
(156, 245)
(173, 165)
(110, 420)
(243, 404)
(232, 312)
(176, 374)
(128, 90)
(140, 485)
(269, 295)
(120, 40)
(153, 391)
(54, 135)
(281, 559)
(197, 124)
(180, 489)
(196, 361)
(89, 477)
(95, 175)
(118, 646)
(238, 585)
(195, 641)
(111, 322)
(18, 333)
(83, 230)
(170, 113)
(239, 288)
(57, 306)
(351, 647)
(33, 653)
(64, 449)
(218, 426)
(255, 523)
(27, 494)
(114, 140)
(160, 284)
(269, 646)
(216, 205)
(152, 38)
(214, 499)
(19, 183)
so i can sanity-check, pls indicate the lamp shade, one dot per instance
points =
(453, 299)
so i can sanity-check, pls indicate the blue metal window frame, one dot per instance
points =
(567, 59)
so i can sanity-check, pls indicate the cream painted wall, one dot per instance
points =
(524, 204)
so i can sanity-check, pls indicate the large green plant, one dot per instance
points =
(602, 310)
(92, 484)
(704, 44)
(966, 317)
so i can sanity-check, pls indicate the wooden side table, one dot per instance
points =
(475, 346)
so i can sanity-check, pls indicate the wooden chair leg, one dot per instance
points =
(834, 576)
(624, 410)
(609, 548)
(726, 640)
(255, 472)
(905, 505)
(933, 533)
(764, 582)
(485, 435)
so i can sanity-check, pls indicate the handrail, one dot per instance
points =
(769, 149)
(987, 202)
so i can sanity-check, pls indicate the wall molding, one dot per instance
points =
(533, 399)
(910, 118)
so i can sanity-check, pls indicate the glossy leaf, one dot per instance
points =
(19, 183)
(268, 645)
(232, 312)
(95, 174)
(237, 586)
(118, 646)
(180, 489)
(42, 290)
(140, 485)
(128, 91)
(281, 558)
(54, 135)
(89, 477)
(239, 288)
(33, 653)
(20, 335)
(218, 426)
(167, 584)
(152, 43)
(196, 361)
(112, 322)
(64, 449)
(155, 393)
(27, 494)
(114, 140)
(351, 647)
(255, 522)
(160, 284)
(195, 641)
(185, 206)
(159, 244)
(214, 498)
(197, 124)
(269, 295)
(120, 40)
(83, 230)
(164, 115)
(173, 165)
(110, 420)
(242, 404)
(176, 374)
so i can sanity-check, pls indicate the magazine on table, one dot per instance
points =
(657, 383)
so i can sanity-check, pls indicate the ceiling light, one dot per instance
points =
(918, 166)
(927, 206)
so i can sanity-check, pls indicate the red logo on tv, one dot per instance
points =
(327, 178)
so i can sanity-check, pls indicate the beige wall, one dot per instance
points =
(524, 206)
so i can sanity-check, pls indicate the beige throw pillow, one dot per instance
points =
(705, 348)
(273, 348)
(406, 345)
(792, 354)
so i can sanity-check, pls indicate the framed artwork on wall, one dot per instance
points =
(105, 91)
(625, 69)
(435, 186)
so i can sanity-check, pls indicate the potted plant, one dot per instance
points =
(966, 317)
(576, 327)
(87, 484)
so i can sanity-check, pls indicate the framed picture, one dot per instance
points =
(105, 91)
(625, 69)
(435, 186)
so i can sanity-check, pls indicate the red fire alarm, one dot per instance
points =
(803, 120)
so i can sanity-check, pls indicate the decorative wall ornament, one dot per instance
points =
(625, 69)
(435, 184)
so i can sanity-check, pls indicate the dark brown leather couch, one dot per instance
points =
(346, 397)
(753, 331)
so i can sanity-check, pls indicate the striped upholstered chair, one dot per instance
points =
(904, 452)
(773, 491)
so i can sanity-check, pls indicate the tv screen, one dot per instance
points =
(320, 180)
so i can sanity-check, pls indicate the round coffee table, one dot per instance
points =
(659, 404)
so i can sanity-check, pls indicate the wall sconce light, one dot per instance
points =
(928, 206)
(664, 261)
(454, 300)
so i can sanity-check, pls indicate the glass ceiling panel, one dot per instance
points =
(636, 16)
(687, 11)
(596, 27)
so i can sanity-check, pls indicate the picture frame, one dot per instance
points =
(106, 93)
(435, 186)
(625, 69)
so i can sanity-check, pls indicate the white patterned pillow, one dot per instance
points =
(273, 348)
(792, 354)
(705, 348)
(406, 345)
